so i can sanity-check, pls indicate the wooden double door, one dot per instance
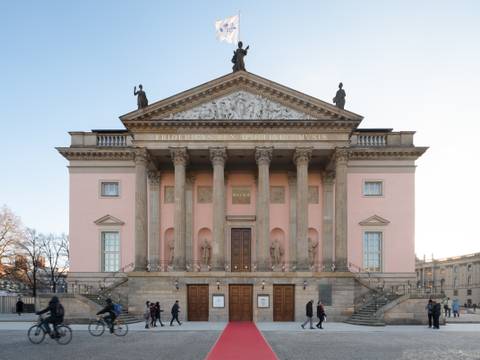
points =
(240, 302)
(283, 302)
(241, 249)
(197, 302)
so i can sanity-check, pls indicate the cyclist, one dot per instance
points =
(111, 316)
(56, 316)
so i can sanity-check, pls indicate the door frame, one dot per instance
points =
(188, 301)
(251, 247)
(237, 224)
(230, 297)
(273, 301)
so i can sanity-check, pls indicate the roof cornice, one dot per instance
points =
(386, 153)
(96, 153)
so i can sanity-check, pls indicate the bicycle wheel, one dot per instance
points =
(96, 327)
(64, 334)
(36, 334)
(120, 329)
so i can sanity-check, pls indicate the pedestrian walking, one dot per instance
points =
(456, 308)
(474, 307)
(320, 314)
(449, 307)
(153, 318)
(309, 314)
(146, 314)
(175, 311)
(158, 312)
(429, 309)
(437, 311)
(19, 306)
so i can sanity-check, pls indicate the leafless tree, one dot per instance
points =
(54, 249)
(11, 233)
(30, 249)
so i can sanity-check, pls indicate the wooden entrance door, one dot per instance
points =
(283, 302)
(240, 300)
(241, 249)
(197, 302)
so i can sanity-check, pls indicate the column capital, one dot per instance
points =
(341, 155)
(218, 155)
(263, 155)
(153, 177)
(179, 155)
(302, 155)
(141, 155)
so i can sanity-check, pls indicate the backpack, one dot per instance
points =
(117, 309)
(60, 311)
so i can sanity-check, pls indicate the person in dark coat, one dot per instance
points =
(429, 309)
(111, 316)
(320, 314)
(153, 318)
(57, 312)
(158, 312)
(437, 311)
(175, 311)
(309, 313)
(19, 306)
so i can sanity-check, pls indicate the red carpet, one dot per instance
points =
(241, 340)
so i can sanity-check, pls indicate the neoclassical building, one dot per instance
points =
(243, 199)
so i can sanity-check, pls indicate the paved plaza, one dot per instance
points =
(288, 341)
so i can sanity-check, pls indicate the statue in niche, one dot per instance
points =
(238, 55)
(171, 247)
(142, 100)
(276, 252)
(312, 251)
(339, 99)
(206, 252)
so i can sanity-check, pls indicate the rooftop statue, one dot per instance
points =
(238, 55)
(142, 100)
(339, 99)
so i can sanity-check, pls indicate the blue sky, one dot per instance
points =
(409, 65)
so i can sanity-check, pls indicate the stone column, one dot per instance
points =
(141, 240)
(154, 224)
(263, 156)
(218, 156)
(302, 158)
(341, 224)
(327, 235)
(292, 244)
(190, 181)
(180, 160)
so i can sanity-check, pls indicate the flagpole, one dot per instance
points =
(239, 38)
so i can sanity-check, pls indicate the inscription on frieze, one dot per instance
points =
(240, 195)
(244, 137)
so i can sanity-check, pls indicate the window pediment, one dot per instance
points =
(109, 220)
(374, 220)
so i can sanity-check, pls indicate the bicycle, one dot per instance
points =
(36, 333)
(97, 327)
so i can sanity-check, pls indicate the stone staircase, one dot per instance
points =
(125, 316)
(366, 314)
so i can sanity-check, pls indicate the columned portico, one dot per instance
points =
(141, 234)
(154, 218)
(180, 159)
(218, 156)
(341, 217)
(301, 158)
(263, 157)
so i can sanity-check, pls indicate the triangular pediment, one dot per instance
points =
(109, 220)
(240, 96)
(374, 220)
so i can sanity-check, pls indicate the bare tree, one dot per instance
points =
(55, 251)
(10, 233)
(33, 260)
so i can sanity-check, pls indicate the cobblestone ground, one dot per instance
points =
(392, 345)
(184, 345)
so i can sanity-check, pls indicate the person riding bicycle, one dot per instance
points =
(111, 316)
(57, 313)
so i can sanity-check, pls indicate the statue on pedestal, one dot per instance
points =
(171, 247)
(238, 55)
(206, 252)
(312, 250)
(276, 252)
(339, 99)
(141, 97)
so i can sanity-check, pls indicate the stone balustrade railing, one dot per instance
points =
(100, 139)
(372, 140)
(377, 138)
(112, 140)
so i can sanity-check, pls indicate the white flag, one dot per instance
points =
(228, 29)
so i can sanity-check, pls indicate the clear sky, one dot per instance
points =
(408, 65)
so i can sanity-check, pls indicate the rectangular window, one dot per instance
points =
(469, 291)
(373, 188)
(110, 251)
(110, 189)
(240, 195)
(372, 251)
